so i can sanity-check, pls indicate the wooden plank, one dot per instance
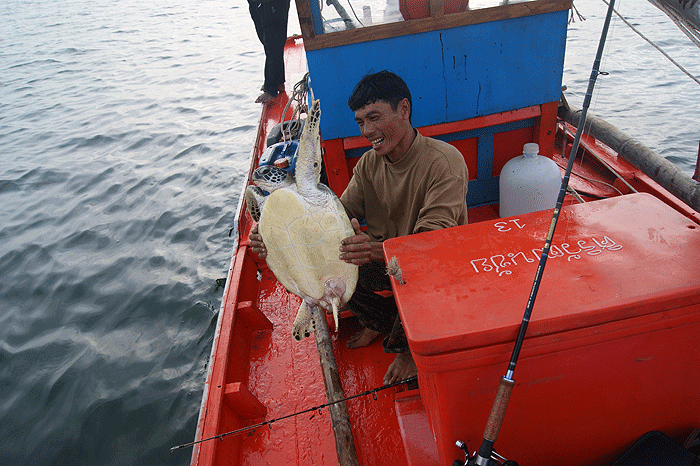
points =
(342, 429)
(417, 26)
(437, 9)
(546, 127)
(356, 142)
(212, 417)
(484, 69)
(305, 21)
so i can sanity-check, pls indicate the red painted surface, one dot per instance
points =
(610, 344)
(336, 166)
(418, 440)
(507, 144)
(355, 142)
(414, 9)
(255, 358)
(258, 373)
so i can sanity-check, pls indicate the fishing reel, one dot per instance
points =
(495, 460)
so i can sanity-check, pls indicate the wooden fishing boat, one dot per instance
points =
(612, 348)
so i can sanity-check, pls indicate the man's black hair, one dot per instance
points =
(383, 85)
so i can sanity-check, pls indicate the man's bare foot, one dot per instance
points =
(264, 97)
(402, 368)
(362, 338)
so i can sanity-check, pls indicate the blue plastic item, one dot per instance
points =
(279, 151)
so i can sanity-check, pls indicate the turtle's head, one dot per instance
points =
(309, 160)
(270, 178)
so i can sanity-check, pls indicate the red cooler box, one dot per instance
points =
(613, 346)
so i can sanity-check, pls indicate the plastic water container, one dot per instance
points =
(366, 15)
(392, 12)
(528, 183)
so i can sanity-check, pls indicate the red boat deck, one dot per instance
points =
(286, 374)
(258, 372)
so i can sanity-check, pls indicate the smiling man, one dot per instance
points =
(405, 184)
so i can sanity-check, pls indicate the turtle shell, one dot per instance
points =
(303, 240)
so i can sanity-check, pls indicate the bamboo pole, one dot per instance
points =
(649, 162)
(342, 430)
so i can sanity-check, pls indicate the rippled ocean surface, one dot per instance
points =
(125, 132)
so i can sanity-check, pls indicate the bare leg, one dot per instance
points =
(362, 338)
(402, 368)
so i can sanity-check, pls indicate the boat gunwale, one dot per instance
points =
(235, 270)
(232, 291)
(313, 41)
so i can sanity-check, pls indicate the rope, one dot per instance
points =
(575, 193)
(355, 14)
(605, 164)
(655, 46)
(591, 180)
(575, 13)
(299, 97)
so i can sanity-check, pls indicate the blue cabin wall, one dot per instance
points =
(453, 74)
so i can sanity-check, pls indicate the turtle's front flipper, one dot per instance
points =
(254, 200)
(304, 324)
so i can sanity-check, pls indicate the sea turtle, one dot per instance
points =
(302, 226)
(267, 178)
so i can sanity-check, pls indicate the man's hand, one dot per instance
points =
(256, 243)
(359, 249)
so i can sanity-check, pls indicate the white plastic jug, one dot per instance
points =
(528, 183)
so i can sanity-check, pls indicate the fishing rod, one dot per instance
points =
(500, 403)
(372, 392)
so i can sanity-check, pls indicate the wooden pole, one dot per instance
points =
(437, 8)
(649, 162)
(342, 430)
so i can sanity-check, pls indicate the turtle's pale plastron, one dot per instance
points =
(302, 226)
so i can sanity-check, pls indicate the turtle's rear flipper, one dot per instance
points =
(336, 311)
(304, 324)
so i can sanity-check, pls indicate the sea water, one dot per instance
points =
(125, 133)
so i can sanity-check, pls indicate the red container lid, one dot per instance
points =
(414, 9)
(610, 260)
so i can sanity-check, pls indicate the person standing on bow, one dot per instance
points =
(270, 18)
(405, 184)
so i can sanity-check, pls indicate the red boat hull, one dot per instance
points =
(612, 351)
